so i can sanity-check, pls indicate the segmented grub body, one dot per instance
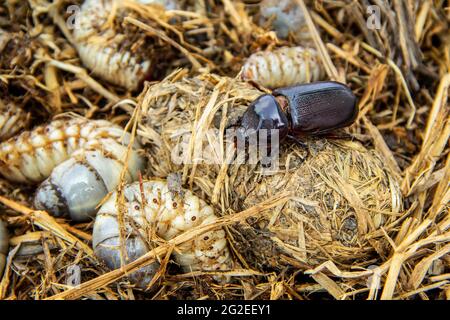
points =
(283, 67)
(158, 209)
(12, 119)
(82, 160)
(112, 53)
(3, 247)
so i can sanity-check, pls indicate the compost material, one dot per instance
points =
(360, 214)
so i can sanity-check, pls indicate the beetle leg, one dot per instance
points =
(297, 141)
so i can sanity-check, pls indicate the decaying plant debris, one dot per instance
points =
(370, 218)
(341, 192)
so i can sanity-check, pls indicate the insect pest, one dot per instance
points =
(286, 18)
(115, 52)
(308, 109)
(283, 67)
(150, 206)
(80, 160)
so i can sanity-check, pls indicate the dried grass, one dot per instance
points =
(399, 248)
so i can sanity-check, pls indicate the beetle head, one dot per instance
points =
(264, 113)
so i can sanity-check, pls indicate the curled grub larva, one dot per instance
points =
(168, 216)
(118, 53)
(105, 52)
(12, 120)
(31, 156)
(3, 246)
(78, 185)
(283, 67)
(82, 159)
(286, 17)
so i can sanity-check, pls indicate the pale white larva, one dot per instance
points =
(286, 17)
(78, 185)
(4, 244)
(114, 53)
(283, 67)
(168, 215)
(82, 160)
(12, 119)
(31, 156)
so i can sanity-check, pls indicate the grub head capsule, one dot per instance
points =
(106, 244)
(320, 107)
(4, 243)
(74, 189)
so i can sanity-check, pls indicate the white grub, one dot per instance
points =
(113, 53)
(12, 119)
(82, 159)
(166, 215)
(78, 185)
(4, 239)
(286, 18)
(31, 156)
(108, 52)
(283, 67)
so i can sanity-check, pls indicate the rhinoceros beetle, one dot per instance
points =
(300, 110)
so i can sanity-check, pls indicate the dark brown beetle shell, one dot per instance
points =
(319, 107)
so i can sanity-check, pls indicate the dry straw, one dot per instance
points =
(360, 218)
(342, 191)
